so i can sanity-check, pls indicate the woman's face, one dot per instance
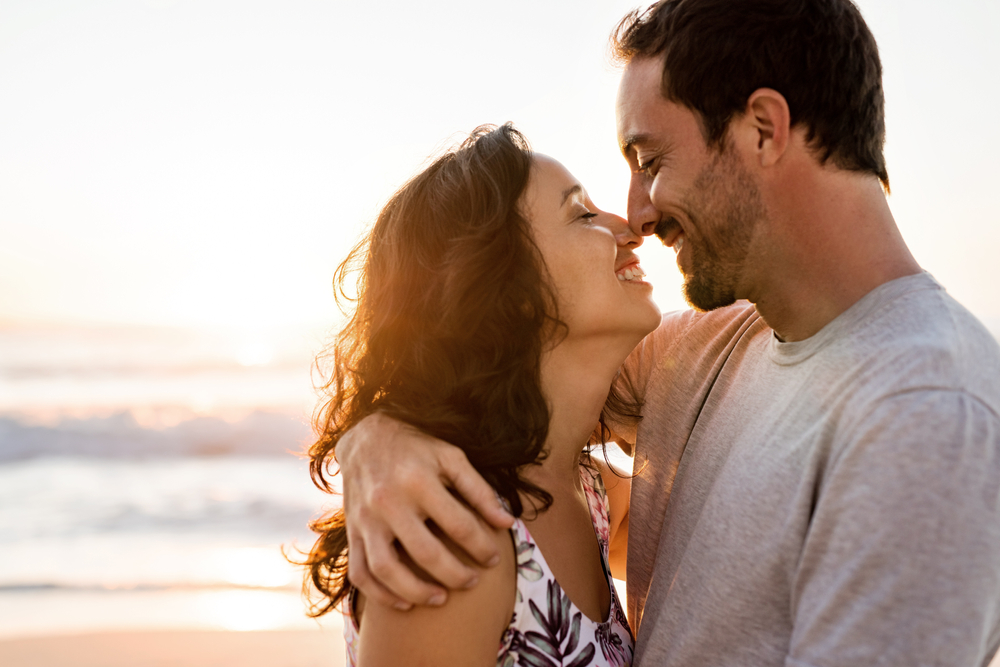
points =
(589, 256)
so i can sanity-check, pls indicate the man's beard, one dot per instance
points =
(728, 206)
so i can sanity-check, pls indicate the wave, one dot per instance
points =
(260, 433)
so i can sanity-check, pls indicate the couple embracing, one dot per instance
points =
(816, 447)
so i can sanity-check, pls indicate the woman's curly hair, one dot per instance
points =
(453, 310)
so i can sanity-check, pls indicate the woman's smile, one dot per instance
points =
(631, 272)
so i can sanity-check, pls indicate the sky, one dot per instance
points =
(209, 163)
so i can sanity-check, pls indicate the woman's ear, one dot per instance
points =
(767, 125)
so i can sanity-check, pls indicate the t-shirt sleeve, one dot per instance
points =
(901, 564)
(633, 379)
(640, 363)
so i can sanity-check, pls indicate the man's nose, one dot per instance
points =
(642, 215)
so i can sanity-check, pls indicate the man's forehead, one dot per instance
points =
(639, 103)
(644, 71)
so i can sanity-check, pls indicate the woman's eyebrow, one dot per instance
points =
(568, 192)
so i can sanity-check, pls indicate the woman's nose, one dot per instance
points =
(619, 227)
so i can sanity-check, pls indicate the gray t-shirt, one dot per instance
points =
(834, 501)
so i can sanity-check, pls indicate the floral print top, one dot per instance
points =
(546, 628)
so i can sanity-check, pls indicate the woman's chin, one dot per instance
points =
(651, 316)
(645, 324)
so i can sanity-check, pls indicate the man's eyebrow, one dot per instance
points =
(568, 192)
(629, 142)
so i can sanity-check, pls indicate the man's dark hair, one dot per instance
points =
(819, 54)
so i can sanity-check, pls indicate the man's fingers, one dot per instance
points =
(465, 528)
(460, 474)
(386, 568)
(389, 491)
(361, 578)
(427, 550)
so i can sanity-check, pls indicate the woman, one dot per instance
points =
(495, 306)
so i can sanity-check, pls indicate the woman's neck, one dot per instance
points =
(576, 378)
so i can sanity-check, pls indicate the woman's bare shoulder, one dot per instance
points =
(465, 630)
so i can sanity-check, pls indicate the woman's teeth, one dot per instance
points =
(633, 272)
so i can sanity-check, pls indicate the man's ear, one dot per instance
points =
(766, 126)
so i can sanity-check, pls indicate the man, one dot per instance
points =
(818, 473)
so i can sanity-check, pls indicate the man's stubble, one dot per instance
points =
(725, 205)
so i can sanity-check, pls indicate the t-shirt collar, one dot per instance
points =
(849, 321)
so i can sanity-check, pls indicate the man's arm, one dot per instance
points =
(901, 565)
(618, 484)
(395, 479)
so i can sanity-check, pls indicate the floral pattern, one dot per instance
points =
(527, 567)
(547, 629)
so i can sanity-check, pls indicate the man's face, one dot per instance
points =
(701, 202)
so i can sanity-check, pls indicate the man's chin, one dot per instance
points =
(705, 295)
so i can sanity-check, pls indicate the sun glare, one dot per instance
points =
(254, 353)
(246, 611)
(253, 566)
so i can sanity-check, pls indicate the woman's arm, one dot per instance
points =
(618, 484)
(465, 631)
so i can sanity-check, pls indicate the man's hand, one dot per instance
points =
(395, 479)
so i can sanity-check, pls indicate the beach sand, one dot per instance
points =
(280, 648)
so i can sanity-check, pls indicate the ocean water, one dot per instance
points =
(152, 478)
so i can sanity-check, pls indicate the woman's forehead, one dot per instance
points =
(551, 185)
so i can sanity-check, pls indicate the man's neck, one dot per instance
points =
(831, 240)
